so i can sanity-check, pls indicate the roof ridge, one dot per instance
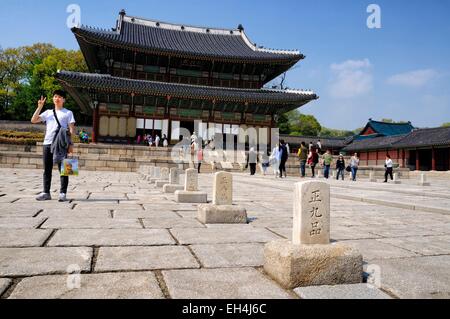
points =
(162, 24)
(381, 122)
(206, 30)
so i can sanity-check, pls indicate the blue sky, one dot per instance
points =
(401, 71)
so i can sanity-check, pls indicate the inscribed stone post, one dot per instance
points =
(223, 189)
(174, 176)
(423, 180)
(311, 213)
(156, 172)
(164, 173)
(191, 181)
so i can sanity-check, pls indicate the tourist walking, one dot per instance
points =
(157, 139)
(252, 158)
(283, 158)
(275, 160)
(165, 141)
(388, 164)
(354, 163)
(340, 167)
(303, 157)
(313, 159)
(327, 159)
(60, 126)
(199, 158)
(319, 146)
(150, 140)
(265, 162)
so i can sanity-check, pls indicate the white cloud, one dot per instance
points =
(414, 79)
(351, 78)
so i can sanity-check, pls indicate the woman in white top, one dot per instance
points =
(388, 165)
(275, 160)
(354, 163)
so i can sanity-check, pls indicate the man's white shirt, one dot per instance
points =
(65, 118)
(389, 163)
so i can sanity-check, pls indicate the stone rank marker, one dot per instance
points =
(396, 179)
(372, 178)
(312, 227)
(423, 180)
(222, 210)
(156, 175)
(191, 194)
(310, 259)
(164, 178)
(174, 181)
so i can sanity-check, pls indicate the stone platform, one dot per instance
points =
(119, 237)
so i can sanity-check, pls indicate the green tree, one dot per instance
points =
(283, 124)
(446, 124)
(329, 132)
(303, 124)
(29, 72)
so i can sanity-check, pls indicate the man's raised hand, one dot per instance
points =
(41, 102)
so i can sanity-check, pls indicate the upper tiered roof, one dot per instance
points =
(157, 37)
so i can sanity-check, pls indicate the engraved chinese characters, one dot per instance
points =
(311, 213)
(165, 173)
(191, 182)
(174, 176)
(223, 189)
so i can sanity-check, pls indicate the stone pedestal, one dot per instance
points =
(161, 183)
(191, 197)
(396, 180)
(191, 194)
(222, 211)
(221, 214)
(310, 259)
(171, 188)
(311, 265)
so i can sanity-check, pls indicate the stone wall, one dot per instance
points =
(128, 158)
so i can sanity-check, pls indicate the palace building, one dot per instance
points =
(154, 77)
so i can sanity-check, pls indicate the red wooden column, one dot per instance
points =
(376, 162)
(403, 158)
(417, 160)
(433, 159)
(367, 159)
(95, 120)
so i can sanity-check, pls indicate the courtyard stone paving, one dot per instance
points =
(119, 237)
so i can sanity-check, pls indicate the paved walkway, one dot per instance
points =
(119, 237)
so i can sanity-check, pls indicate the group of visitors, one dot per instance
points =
(309, 156)
(152, 141)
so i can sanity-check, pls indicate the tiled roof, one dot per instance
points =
(427, 137)
(389, 129)
(159, 37)
(104, 82)
(380, 142)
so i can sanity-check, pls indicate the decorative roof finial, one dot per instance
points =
(122, 12)
(240, 27)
